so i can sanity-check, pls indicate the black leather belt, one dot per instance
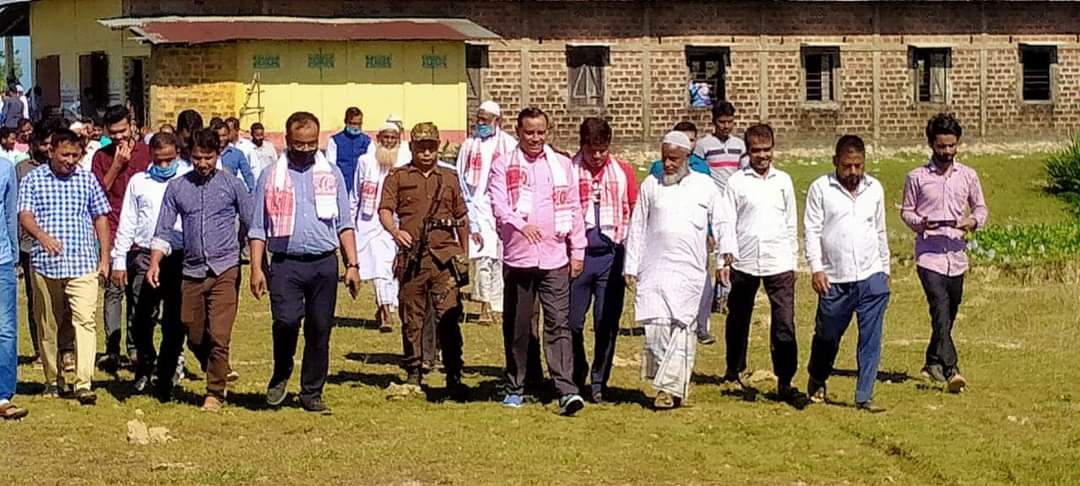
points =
(277, 257)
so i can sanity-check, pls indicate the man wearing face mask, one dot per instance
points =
(208, 201)
(265, 153)
(114, 166)
(131, 261)
(488, 143)
(608, 190)
(431, 236)
(301, 215)
(345, 148)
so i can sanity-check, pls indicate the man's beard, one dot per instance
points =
(671, 180)
(386, 158)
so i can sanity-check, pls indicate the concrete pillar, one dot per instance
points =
(646, 93)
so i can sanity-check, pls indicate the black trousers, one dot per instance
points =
(145, 300)
(785, 350)
(303, 289)
(523, 287)
(600, 285)
(943, 294)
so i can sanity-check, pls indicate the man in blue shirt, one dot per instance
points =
(231, 157)
(9, 257)
(345, 148)
(208, 202)
(301, 215)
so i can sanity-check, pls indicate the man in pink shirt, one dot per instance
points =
(943, 201)
(535, 198)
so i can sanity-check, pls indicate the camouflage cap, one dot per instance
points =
(424, 131)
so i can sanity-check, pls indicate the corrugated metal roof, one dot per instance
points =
(198, 30)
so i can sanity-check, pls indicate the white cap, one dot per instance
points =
(77, 127)
(393, 118)
(390, 126)
(491, 108)
(677, 139)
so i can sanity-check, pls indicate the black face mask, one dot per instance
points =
(302, 158)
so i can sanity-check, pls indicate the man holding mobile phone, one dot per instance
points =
(943, 201)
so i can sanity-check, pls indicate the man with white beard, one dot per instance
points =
(488, 143)
(666, 259)
(375, 247)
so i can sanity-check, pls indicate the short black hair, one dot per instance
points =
(850, 144)
(61, 136)
(206, 139)
(217, 124)
(761, 131)
(594, 131)
(685, 126)
(164, 139)
(257, 126)
(24, 122)
(943, 124)
(532, 112)
(723, 108)
(116, 114)
(233, 123)
(216, 119)
(6, 131)
(189, 120)
(302, 118)
(351, 112)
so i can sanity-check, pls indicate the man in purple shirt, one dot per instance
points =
(943, 201)
(208, 202)
(537, 207)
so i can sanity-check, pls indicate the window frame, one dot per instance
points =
(587, 67)
(927, 54)
(825, 51)
(1051, 51)
(704, 54)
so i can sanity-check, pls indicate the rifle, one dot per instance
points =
(414, 255)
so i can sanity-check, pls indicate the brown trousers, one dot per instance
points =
(208, 309)
(432, 281)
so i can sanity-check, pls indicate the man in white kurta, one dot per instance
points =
(374, 246)
(488, 142)
(666, 257)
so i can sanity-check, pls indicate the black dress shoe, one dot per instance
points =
(315, 405)
(792, 396)
(455, 389)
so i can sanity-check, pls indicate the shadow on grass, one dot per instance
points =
(375, 358)
(883, 376)
(28, 360)
(29, 388)
(356, 323)
(120, 389)
(377, 380)
(485, 391)
(483, 370)
(707, 379)
(621, 396)
(246, 400)
(632, 331)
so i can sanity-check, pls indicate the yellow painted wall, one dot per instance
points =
(69, 28)
(405, 88)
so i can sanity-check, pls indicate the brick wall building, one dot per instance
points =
(814, 69)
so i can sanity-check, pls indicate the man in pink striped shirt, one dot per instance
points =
(534, 196)
(943, 201)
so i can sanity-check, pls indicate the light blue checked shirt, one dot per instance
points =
(65, 209)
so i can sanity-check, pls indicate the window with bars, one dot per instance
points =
(1037, 63)
(820, 73)
(585, 74)
(930, 68)
(476, 60)
(707, 68)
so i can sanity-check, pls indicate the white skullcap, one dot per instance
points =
(19, 88)
(393, 118)
(491, 107)
(677, 139)
(76, 127)
(390, 126)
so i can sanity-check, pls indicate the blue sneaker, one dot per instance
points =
(513, 401)
(570, 404)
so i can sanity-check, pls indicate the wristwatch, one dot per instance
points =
(352, 265)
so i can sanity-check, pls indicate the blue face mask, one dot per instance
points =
(162, 174)
(353, 131)
(484, 131)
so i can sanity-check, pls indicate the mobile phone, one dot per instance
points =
(944, 222)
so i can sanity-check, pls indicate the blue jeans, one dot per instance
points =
(867, 299)
(9, 335)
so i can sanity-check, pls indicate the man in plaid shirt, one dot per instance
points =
(62, 207)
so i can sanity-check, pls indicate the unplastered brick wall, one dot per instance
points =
(199, 77)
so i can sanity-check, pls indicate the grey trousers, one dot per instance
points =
(523, 287)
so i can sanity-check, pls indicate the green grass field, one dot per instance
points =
(1016, 424)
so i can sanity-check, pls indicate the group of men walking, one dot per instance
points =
(549, 233)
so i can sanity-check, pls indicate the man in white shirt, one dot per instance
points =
(766, 226)
(723, 152)
(666, 260)
(848, 252)
(7, 147)
(131, 261)
(265, 154)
